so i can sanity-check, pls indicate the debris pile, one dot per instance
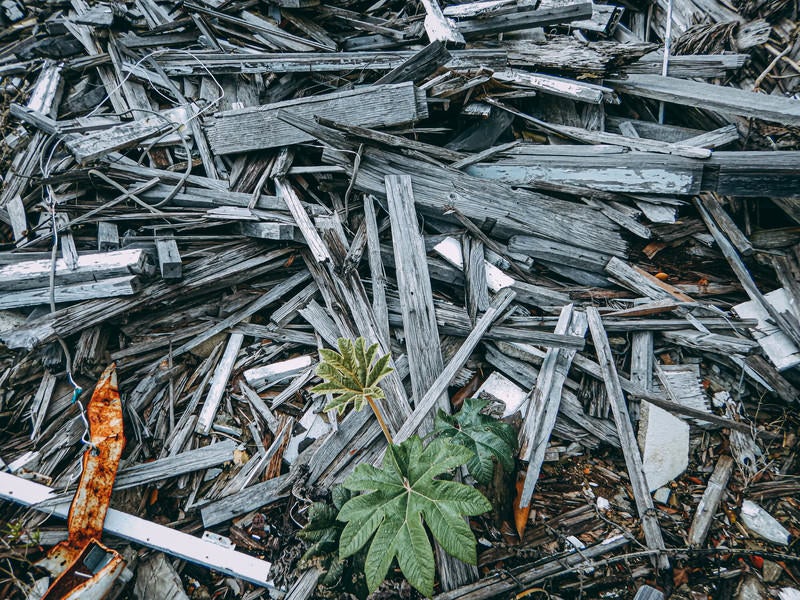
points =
(583, 215)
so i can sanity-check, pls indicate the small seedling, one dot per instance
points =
(351, 377)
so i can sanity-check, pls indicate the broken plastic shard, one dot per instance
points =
(763, 524)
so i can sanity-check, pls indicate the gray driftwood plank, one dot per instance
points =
(246, 500)
(438, 387)
(90, 267)
(707, 507)
(259, 128)
(545, 401)
(414, 285)
(218, 384)
(719, 98)
(633, 459)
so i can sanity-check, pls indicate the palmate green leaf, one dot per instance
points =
(402, 497)
(349, 375)
(485, 436)
(321, 535)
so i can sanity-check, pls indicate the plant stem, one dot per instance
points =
(374, 406)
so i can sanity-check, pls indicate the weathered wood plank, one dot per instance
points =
(246, 500)
(178, 64)
(377, 273)
(526, 18)
(438, 387)
(72, 292)
(218, 384)
(414, 286)
(174, 466)
(259, 128)
(707, 507)
(90, 267)
(768, 107)
(545, 400)
(556, 86)
(641, 173)
(292, 200)
(630, 449)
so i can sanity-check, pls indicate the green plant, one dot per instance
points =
(350, 376)
(488, 438)
(402, 498)
(322, 533)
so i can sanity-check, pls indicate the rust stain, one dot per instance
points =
(90, 504)
(100, 462)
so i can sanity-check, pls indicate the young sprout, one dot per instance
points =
(350, 376)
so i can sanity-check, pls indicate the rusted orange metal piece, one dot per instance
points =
(85, 568)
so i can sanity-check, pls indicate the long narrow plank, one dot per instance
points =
(259, 128)
(147, 533)
(401, 62)
(419, 327)
(173, 466)
(546, 400)
(218, 384)
(414, 286)
(376, 270)
(438, 387)
(526, 19)
(91, 267)
(295, 206)
(708, 504)
(723, 99)
(630, 448)
(632, 173)
(243, 501)
(84, 290)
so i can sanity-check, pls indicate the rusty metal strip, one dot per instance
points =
(85, 568)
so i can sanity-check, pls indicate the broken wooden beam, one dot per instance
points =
(724, 99)
(630, 449)
(712, 496)
(259, 128)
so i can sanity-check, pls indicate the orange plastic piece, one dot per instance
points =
(521, 514)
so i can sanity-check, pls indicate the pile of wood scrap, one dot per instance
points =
(585, 213)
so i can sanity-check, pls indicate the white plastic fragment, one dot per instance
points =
(661, 495)
(500, 388)
(664, 442)
(763, 524)
(450, 250)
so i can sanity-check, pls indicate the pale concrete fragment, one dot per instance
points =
(664, 442)
(500, 388)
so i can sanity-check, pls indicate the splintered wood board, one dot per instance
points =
(778, 347)
(258, 128)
